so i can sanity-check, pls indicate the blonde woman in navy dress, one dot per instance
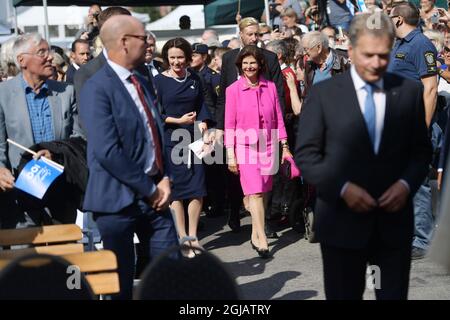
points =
(181, 98)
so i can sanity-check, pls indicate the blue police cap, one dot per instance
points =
(199, 48)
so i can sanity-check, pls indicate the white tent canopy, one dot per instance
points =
(72, 15)
(171, 21)
(4, 30)
(5, 33)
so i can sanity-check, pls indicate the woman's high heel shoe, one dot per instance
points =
(263, 253)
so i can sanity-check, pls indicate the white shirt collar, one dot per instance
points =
(105, 53)
(360, 83)
(122, 72)
(75, 66)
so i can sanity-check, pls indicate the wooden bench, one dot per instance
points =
(99, 266)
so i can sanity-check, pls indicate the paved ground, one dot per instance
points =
(295, 272)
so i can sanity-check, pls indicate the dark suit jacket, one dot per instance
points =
(86, 71)
(229, 75)
(333, 147)
(117, 143)
(144, 72)
(70, 74)
(159, 66)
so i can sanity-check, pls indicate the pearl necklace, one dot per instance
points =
(176, 79)
(251, 84)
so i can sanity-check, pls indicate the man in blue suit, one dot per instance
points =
(128, 188)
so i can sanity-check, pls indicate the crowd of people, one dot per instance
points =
(355, 96)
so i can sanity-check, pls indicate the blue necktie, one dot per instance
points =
(369, 111)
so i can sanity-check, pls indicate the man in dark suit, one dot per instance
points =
(154, 66)
(89, 69)
(128, 188)
(80, 55)
(249, 32)
(362, 142)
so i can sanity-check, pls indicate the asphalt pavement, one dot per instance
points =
(295, 270)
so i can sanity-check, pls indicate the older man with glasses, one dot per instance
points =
(322, 61)
(33, 109)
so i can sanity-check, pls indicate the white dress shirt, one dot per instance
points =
(152, 68)
(124, 75)
(379, 97)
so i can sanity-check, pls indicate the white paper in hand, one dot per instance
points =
(200, 149)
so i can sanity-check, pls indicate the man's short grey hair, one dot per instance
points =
(7, 54)
(377, 24)
(316, 37)
(436, 37)
(23, 43)
(278, 46)
(211, 31)
(150, 34)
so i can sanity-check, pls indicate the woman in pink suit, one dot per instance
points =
(253, 129)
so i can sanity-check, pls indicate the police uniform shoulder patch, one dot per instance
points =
(430, 60)
(400, 55)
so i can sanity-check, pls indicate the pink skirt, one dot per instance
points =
(256, 168)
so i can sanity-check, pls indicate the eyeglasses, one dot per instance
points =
(42, 53)
(306, 50)
(141, 37)
(392, 17)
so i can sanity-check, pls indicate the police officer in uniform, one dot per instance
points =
(414, 57)
(200, 64)
(213, 203)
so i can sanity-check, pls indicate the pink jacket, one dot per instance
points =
(241, 111)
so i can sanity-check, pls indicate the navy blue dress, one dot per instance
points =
(176, 99)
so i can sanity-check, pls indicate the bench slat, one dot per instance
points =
(103, 260)
(59, 249)
(41, 235)
(104, 283)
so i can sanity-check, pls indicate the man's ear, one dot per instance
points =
(350, 51)
(20, 59)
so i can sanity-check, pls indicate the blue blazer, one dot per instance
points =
(116, 143)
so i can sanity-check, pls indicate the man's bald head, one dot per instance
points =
(116, 27)
(125, 40)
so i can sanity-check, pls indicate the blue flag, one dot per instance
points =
(37, 176)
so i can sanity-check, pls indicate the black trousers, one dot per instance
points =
(235, 196)
(155, 230)
(215, 185)
(9, 211)
(345, 271)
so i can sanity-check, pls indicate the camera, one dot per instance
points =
(272, 11)
(434, 18)
(92, 32)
